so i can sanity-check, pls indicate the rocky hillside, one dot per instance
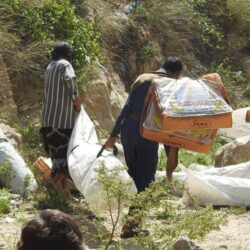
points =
(115, 41)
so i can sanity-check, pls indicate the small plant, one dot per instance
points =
(193, 224)
(148, 52)
(4, 201)
(6, 172)
(5, 168)
(54, 200)
(232, 79)
(26, 184)
(31, 146)
(116, 192)
(236, 210)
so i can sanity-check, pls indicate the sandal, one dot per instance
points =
(132, 230)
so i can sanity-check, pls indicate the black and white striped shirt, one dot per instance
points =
(59, 91)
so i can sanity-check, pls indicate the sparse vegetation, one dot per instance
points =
(154, 204)
(31, 147)
(187, 157)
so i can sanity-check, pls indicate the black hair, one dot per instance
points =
(62, 50)
(172, 64)
(52, 230)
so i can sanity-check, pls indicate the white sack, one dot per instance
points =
(241, 170)
(187, 97)
(83, 164)
(20, 178)
(84, 131)
(217, 186)
(217, 190)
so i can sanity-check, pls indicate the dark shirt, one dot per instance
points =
(133, 105)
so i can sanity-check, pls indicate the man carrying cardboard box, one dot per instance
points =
(141, 155)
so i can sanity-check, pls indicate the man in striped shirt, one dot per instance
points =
(61, 102)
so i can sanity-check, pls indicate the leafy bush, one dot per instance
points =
(148, 52)
(51, 20)
(193, 224)
(31, 146)
(4, 201)
(207, 30)
(232, 80)
(153, 204)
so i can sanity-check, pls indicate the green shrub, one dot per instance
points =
(4, 201)
(207, 30)
(148, 52)
(31, 147)
(232, 79)
(51, 20)
(193, 224)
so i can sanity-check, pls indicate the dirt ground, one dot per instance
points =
(10, 225)
(235, 235)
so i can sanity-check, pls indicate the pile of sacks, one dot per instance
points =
(186, 113)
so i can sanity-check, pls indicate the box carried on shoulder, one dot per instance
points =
(181, 140)
(190, 104)
(193, 133)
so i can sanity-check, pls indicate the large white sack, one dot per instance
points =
(216, 190)
(20, 179)
(241, 170)
(84, 131)
(84, 164)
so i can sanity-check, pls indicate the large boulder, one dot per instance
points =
(235, 152)
(104, 97)
(240, 127)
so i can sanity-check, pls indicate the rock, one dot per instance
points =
(184, 243)
(15, 204)
(235, 152)
(104, 97)
(12, 135)
(9, 219)
(223, 246)
(8, 108)
(240, 127)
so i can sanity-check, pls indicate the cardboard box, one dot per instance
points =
(43, 164)
(175, 141)
(169, 137)
(170, 122)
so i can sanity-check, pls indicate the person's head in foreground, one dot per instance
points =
(173, 67)
(51, 230)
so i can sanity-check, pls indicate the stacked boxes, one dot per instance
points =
(185, 113)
